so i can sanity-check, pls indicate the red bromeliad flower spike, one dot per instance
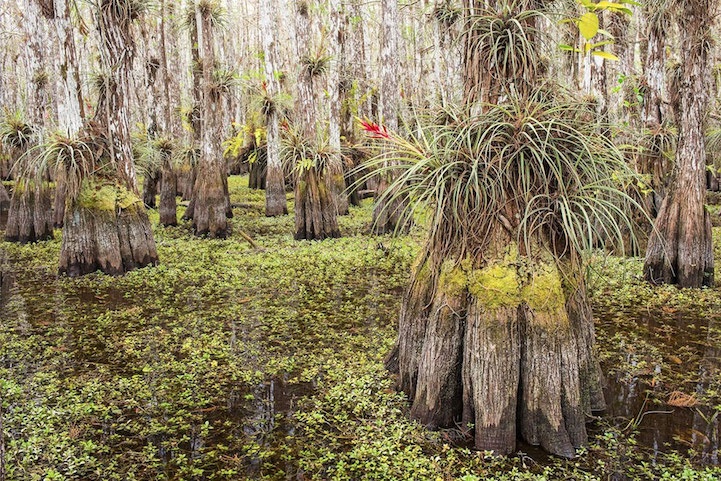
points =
(374, 130)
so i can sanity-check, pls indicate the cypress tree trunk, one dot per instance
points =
(388, 211)
(106, 227)
(315, 208)
(150, 189)
(507, 351)
(680, 250)
(169, 127)
(655, 112)
(4, 198)
(336, 171)
(275, 201)
(210, 204)
(30, 214)
(168, 208)
(68, 96)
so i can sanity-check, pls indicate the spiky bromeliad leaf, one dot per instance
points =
(533, 166)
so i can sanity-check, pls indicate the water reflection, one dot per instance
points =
(705, 430)
(684, 421)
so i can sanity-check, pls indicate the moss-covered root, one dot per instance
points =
(106, 229)
(551, 407)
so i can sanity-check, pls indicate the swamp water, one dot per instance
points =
(229, 363)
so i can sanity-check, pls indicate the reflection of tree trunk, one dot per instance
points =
(705, 437)
(680, 249)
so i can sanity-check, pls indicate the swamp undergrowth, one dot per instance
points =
(229, 362)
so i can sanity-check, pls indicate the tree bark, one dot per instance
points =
(169, 127)
(275, 201)
(504, 351)
(106, 227)
(30, 213)
(680, 249)
(315, 207)
(389, 210)
(210, 203)
(655, 109)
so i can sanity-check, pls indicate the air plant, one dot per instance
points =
(186, 156)
(125, 11)
(447, 13)
(302, 154)
(262, 101)
(223, 81)
(507, 45)
(208, 8)
(15, 132)
(315, 64)
(74, 158)
(532, 166)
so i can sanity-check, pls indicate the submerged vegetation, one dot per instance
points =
(197, 369)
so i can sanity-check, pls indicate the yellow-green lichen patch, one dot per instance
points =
(421, 269)
(453, 280)
(97, 197)
(106, 197)
(126, 198)
(544, 291)
(495, 286)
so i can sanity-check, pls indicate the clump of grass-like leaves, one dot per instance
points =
(315, 64)
(263, 101)
(447, 13)
(15, 132)
(300, 154)
(73, 158)
(223, 81)
(506, 44)
(151, 153)
(658, 144)
(713, 147)
(186, 157)
(211, 9)
(533, 167)
(125, 11)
